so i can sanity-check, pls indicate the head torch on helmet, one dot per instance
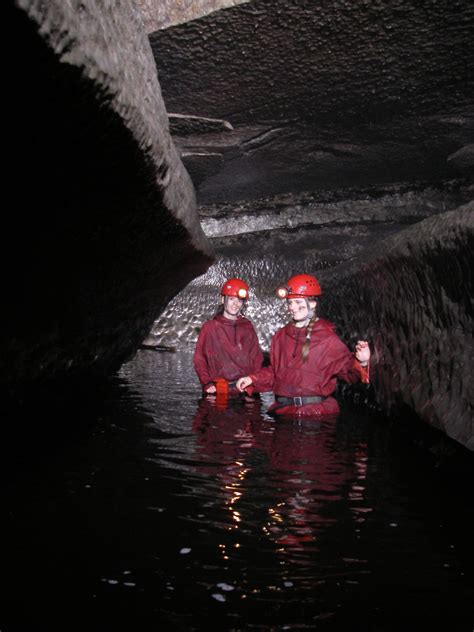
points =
(300, 286)
(281, 292)
(235, 287)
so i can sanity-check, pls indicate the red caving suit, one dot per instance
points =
(226, 349)
(329, 359)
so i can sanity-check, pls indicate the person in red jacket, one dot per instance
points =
(307, 357)
(227, 345)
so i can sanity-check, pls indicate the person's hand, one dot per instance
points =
(362, 352)
(210, 389)
(243, 382)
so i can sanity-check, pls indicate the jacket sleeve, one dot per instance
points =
(200, 359)
(256, 355)
(264, 379)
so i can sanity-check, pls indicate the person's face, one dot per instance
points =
(232, 306)
(299, 308)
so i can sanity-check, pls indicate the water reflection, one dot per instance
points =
(302, 478)
(169, 510)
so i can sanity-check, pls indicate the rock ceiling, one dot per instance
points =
(271, 97)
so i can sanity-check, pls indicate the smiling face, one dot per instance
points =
(232, 306)
(301, 310)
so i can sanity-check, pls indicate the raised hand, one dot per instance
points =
(362, 352)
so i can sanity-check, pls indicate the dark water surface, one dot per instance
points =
(146, 509)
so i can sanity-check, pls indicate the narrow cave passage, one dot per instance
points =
(342, 145)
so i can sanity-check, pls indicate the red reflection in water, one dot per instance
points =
(303, 471)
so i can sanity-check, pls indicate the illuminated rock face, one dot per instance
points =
(165, 13)
(102, 228)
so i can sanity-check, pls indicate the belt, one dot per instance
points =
(299, 401)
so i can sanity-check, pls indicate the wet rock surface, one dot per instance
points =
(412, 297)
(102, 229)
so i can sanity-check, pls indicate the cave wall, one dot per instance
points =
(101, 229)
(268, 241)
(165, 13)
(411, 297)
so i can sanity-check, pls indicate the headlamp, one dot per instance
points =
(282, 292)
(241, 293)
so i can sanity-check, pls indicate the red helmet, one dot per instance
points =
(300, 286)
(235, 287)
